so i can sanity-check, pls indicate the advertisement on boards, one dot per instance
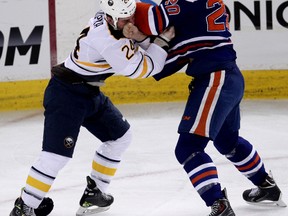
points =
(24, 40)
(259, 31)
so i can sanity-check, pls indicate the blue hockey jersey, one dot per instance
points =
(202, 37)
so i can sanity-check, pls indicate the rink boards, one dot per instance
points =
(259, 85)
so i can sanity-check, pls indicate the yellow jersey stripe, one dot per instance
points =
(103, 170)
(145, 68)
(89, 64)
(38, 184)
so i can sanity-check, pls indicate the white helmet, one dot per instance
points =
(118, 9)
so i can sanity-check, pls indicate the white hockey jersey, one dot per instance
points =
(100, 51)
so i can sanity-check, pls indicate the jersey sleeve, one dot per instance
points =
(151, 20)
(127, 59)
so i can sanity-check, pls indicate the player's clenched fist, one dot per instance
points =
(132, 32)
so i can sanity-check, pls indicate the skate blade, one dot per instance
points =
(93, 210)
(278, 203)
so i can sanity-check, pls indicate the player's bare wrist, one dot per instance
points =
(160, 41)
(141, 38)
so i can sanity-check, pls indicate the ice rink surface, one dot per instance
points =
(149, 182)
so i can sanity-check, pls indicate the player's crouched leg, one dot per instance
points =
(104, 166)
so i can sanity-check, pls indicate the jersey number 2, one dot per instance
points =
(82, 34)
(129, 50)
(212, 18)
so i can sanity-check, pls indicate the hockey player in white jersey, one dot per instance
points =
(73, 99)
(102, 50)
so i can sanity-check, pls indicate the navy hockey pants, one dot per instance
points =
(70, 106)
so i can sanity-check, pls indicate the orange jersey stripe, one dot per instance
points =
(253, 163)
(203, 175)
(141, 18)
(201, 127)
(159, 18)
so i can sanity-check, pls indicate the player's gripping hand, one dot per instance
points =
(163, 39)
(132, 32)
(168, 34)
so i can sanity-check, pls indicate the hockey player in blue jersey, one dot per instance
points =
(212, 113)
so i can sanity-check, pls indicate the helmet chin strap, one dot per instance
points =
(115, 21)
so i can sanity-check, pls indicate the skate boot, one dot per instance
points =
(21, 209)
(222, 207)
(93, 200)
(267, 193)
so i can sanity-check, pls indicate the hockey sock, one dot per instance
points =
(103, 170)
(41, 177)
(246, 159)
(204, 177)
(107, 159)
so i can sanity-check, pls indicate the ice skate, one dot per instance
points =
(266, 194)
(93, 200)
(21, 209)
(222, 207)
